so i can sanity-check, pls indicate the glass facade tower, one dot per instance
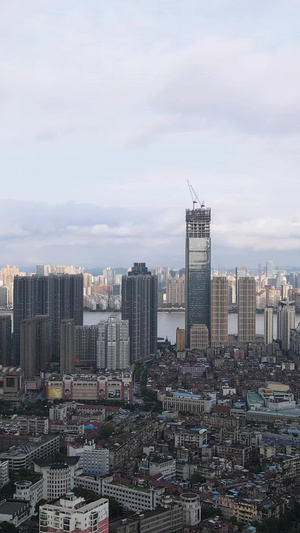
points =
(197, 269)
(139, 307)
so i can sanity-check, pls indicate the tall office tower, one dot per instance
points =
(176, 290)
(86, 345)
(139, 307)
(285, 322)
(5, 339)
(197, 269)
(199, 339)
(35, 345)
(240, 272)
(67, 346)
(246, 309)
(219, 311)
(59, 296)
(268, 324)
(113, 344)
(270, 269)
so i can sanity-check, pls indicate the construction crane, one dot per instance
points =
(194, 196)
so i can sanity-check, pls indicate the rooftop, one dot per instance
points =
(12, 507)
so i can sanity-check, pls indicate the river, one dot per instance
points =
(168, 322)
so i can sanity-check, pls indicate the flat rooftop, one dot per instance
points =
(255, 398)
(12, 507)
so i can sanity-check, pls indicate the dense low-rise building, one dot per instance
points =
(30, 492)
(58, 477)
(162, 464)
(14, 511)
(33, 425)
(4, 473)
(161, 520)
(11, 383)
(23, 455)
(187, 402)
(136, 497)
(90, 387)
(72, 514)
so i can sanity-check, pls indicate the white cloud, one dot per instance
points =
(121, 237)
(118, 104)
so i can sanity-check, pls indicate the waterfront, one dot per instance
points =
(168, 322)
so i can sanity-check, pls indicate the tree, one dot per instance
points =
(197, 478)
(38, 505)
(6, 527)
(105, 432)
(116, 510)
(209, 512)
(88, 495)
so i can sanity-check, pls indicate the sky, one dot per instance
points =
(108, 107)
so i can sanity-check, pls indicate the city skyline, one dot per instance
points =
(108, 110)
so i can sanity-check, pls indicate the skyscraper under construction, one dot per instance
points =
(197, 267)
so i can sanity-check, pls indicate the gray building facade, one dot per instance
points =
(58, 296)
(139, 307)
(197, 269)
(5, 339)
(35, 345)
(86, 345)
(67, 346)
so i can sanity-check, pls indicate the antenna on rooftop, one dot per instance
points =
(194, 196)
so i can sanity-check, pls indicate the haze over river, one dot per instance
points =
(168, 322)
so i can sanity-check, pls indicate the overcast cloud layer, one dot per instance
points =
(107, 108)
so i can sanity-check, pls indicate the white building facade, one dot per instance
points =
(113, 345)
(71, 514)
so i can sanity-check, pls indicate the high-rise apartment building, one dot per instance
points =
(219, 311)
(109, 275)
(5, 339)
(113, 345)
(268, 324)
(285, 322)
(25, 306)
(270, 269)
(176, 290)
(180, 339)
(246, 309)
(240, 272)
(67, 346)
(58, 296)
(162, 274)
(139, 307)
(197, 269)
(86, 338)
(35, 345)
(199, 338)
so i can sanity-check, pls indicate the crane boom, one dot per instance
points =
(194, 196)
